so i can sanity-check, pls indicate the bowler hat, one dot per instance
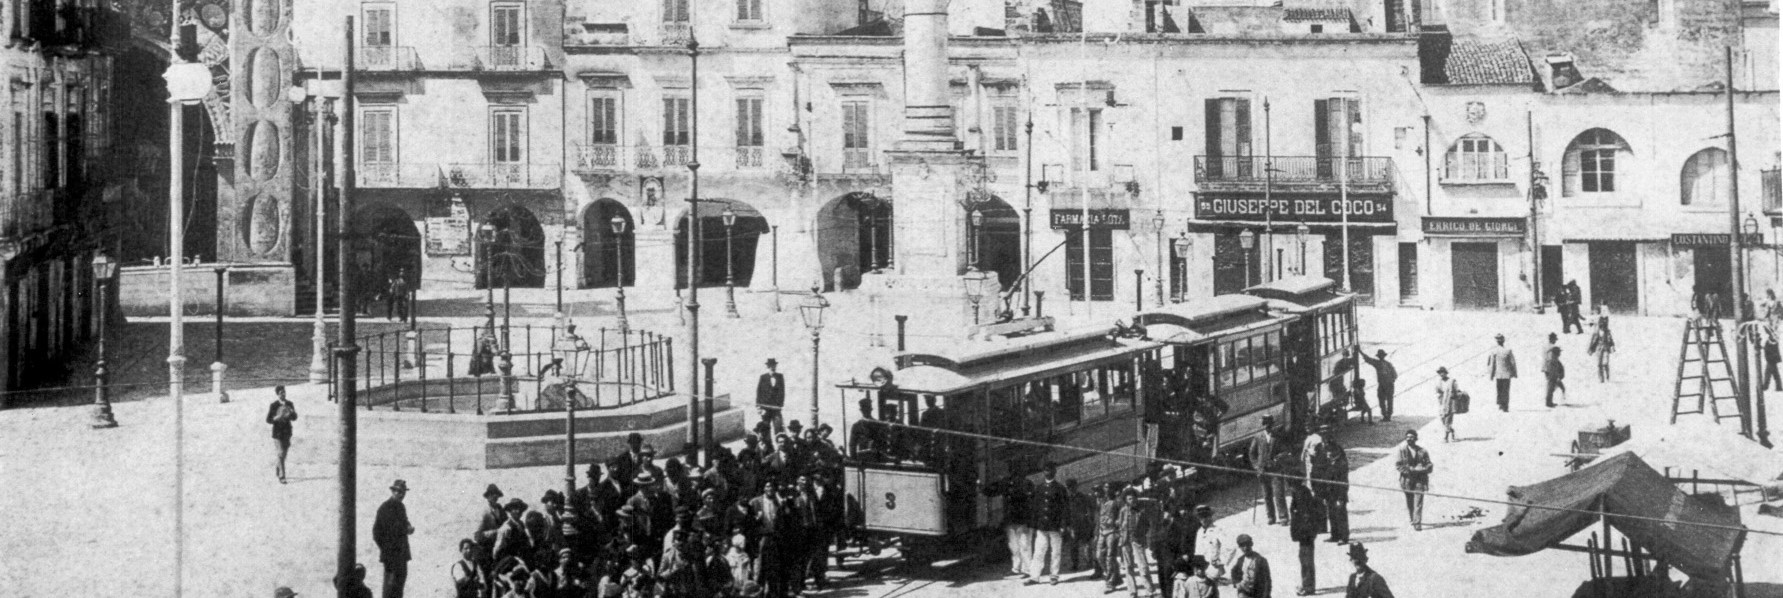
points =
(1380, 353)
(283, 592)
(1199, 509)
(795, 425)
(1244, 540)
(772, 362)
(514, 504)
(492, 491)
(1442, 370)
(552, 497)
(1358, 552)
(399, 485)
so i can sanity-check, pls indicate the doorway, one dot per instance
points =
(1475, 270)
(1614, 279)
(1553, 273)
(1714, 274)
(603, 260)
(516, 256)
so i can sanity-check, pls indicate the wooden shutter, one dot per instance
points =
(1213, 128)
(1569, 173)
(1321, 125)
(1244, 127)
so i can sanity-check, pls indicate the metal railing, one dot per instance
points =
(516, 175)
(749, 156)
(596, 157)
(388, 58)
(1293, 169)
(597, 34)
(599, 156)
(397, 175)
(511, 58)
(674, 34)
(445, 370)
(857, 159)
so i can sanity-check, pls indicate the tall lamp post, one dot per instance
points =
(322, 117)
(187, 83)
(619, 225)
(977, 228)
(974, 281)
(730, 264)
(1183, 246)
(812, 311)
(486, 234)
(1300, 234)
(1158, 226)
(1247, 240)
(103, 269)
(217, 367)
(1762, 429)
(572, 349)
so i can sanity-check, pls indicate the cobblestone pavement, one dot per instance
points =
(98, 504)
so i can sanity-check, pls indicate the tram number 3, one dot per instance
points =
(891, 501)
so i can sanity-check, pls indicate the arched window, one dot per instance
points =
(1705, 178)
(1592, 161)
(1476, 158)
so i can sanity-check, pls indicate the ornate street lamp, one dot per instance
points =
(570, 351)
(486, 238)
(977, 226)
(1300, 234)
(103, 270)
(1183, 246)
(974, 281)
(811, 309)
(619, 224)
(730, 264)
(187, 83)
(1158, 227)
(1248, 241)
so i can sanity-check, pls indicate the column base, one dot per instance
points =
(216, 381)
(102, 417)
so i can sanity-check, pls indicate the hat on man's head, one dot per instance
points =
(1197, 562)
(634, 438)
(795, 425)
(1358, 552)
(648, 450)
(514, 504)
(1380, 353)
(399, 485)
(1442, 370)
(1268, 419)
(824, 429)
(492, 491)
(1203, 509)
(1244, 540)
(1498, 336)
(284, 592)
(865, 403)
(772, 362)
(552, 497)
(644, 478)
(750, 439)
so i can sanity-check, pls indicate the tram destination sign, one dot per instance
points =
(1475, 227)
(1368, 208)
(1116, 219)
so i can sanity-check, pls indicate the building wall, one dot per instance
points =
(1634, 45)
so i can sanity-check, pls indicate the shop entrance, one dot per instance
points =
(1614, 280)
(1475, 270)
(1714, 275)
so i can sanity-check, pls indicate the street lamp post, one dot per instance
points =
(103, 269)
(572, 349)
(974, 281)
(321, 119)
(812, 312)
(486, 234)
(187, 83)
(977, 226)
(1158, 226)
(559, 249)
(730, 264)
(1762, 429)
(1138, 289)
(1300, 234)
(1183, 246)
(1247, 240)
(217, 367)
(619, 225)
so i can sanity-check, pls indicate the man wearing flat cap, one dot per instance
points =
(770, 396)
(391, 530)
(866, 438)
(1212, 543)
(1250, 571)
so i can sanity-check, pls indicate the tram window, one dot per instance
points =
(1270, 341)
(1070, 406)
(1121, 388)
(1241, 366)
(1225, 365)
(1005, 413)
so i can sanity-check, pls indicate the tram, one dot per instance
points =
(1320, 340)
(1226, 371)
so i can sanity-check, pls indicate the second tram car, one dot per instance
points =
(1320, 340)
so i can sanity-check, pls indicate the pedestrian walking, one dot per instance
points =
(1304, 527)
(770, 396)
(1264, 452)
(1211, 542)
(1138, 517)
(391, 530)
(1192, 580)
(396, 296)
(1569, 308)
(1386, 378)
(1250, 572)
(1446, 395)
(1329, 479)
(1108, 522)
(280, 414)
(1017, 534)
(1414, 476)
(1603, 344)
(1772, 357)
(1553, 370)
(1049, 508)
(1364, 582)
(1501, 368)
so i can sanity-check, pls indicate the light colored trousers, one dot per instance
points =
(1021, 545)
(1048, 548)
(1133, 560)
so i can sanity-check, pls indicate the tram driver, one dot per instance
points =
(866, 439)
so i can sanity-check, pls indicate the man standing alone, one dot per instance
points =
(1501, 367)
(770, 396)
(1552, 369)
(1385, 377)
(1414, 477)
(391, 531)
(280, 414)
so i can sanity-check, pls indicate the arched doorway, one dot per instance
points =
(999, 240)
(516, 256)
(602, 258)
(854, 234)
(389, 243)
(744, 236)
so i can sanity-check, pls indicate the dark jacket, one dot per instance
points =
(1048, 506)
(1333, 466)
(770, 390)
(1367, 584)
(391, 532)
(1307, 516)
(1254, 583)
(280, 429)
(1016, 493)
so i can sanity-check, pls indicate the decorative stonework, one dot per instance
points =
(253, 221)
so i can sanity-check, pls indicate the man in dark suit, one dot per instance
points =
(1250, 572)
(626, 466)
(391, 530)
(770, 396)
(1364, 582)
(280, 414)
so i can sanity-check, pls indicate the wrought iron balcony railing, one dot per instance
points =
(749, 157)
(596, 34)
(388, 58)
(674, 34)
(1292, 170)
(605, 157)
(511, 58)
(857, 159)
(507, 175)
(397, 175)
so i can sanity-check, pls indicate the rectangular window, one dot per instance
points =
(1086, 136)
(749, 10)
(1005, 123)
(507, 135)
(676, 121)
(1408, 272)
(1228, 140)
(1597, 169)
(603, 121)
(857, 141)
(507, 25)
(380, 25)
(1101, 264)
(749, 122)
(675, 11)
(377, 136)
(1337, 133)
(18, 152)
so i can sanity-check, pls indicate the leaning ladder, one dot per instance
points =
(1704, 374)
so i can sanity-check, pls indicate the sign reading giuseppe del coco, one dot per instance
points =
(1318, 209)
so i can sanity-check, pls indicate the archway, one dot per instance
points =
(744, 236)
(516, 256)
(388, 244)
(603, 260)
(854, 234)
(999, 240)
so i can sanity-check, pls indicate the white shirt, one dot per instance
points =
(1210, 544)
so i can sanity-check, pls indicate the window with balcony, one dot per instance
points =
(507, 135)
(507, 29)
(1005, 125)
(377, 145)
(1228, 142)
(677, 134)
(380, 25)
(1476, 159)
(1086, 139)
(749, 10)
(857, 142)
(1337, 133)
(602, 148)
(749, 132)
(678, 12)
(1591, 161)
(1705, 179)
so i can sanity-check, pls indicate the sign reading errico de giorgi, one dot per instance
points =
(1295, 209)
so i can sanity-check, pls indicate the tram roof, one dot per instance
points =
(1200, 320)
(1297, 294)
(1011, 360)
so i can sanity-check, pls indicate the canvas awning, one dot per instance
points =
(1619, 485)
(1710, 450)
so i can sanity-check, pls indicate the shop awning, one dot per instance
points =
(1624, 485)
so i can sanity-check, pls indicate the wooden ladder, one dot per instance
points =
(1704, 375)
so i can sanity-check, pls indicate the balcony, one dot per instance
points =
(394, 175)
(749, 157)
(387, 58)
(1294, 173)
(599, 157)
(675, 34)
(517, 175)
(594, 35)
(595, 158)
(511, 58)
(858, 159)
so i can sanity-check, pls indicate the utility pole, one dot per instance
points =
(1737, 245)
(1535, 237)
(694, 245)
(347, 349)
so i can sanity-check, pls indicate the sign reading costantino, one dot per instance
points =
(1317, 209)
